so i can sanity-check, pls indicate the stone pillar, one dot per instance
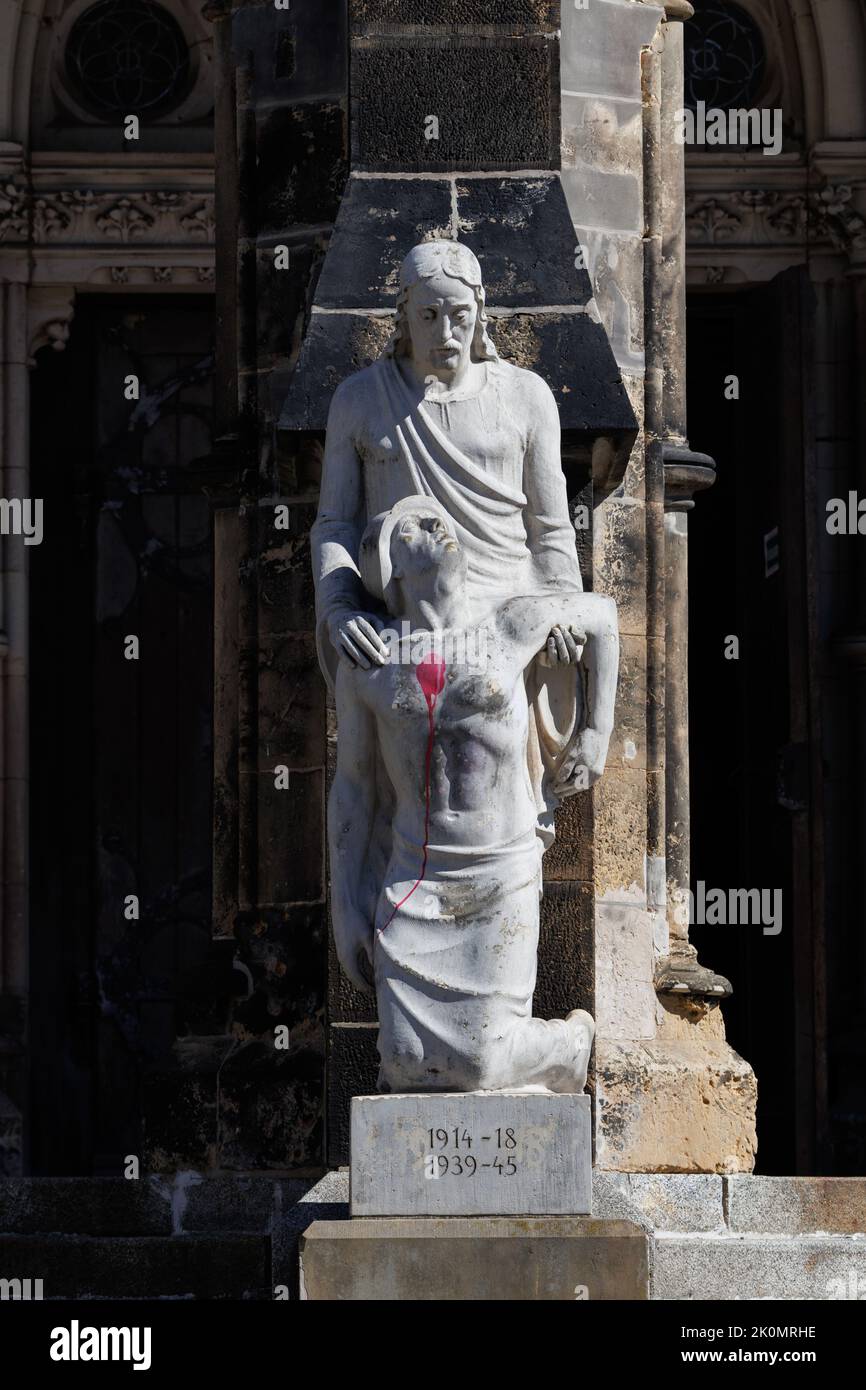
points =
(682, 480)
(671, 1094)
(685, 473)
(842, 469)
(223, 490)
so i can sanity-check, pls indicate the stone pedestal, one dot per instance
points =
(460, 1259)
(482, 1153)
(683, 1103)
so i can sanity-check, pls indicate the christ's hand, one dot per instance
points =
(356, 635)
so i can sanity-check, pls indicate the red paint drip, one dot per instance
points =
(431, 678)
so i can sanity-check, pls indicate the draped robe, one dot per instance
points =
(505, 492)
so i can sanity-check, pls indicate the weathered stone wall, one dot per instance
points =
(282, 160)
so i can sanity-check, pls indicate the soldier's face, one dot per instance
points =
(441, 315)
(424, 548)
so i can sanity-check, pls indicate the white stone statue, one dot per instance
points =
(443, 799)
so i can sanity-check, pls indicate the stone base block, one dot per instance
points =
(477, 1153)
(768, 1205)
(468, 1259)
(790, 1269)
(672, 1106)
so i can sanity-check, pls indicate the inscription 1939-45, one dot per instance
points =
(450, 1152)
(474, 1154)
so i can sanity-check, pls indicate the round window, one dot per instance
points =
(724, 56)
(127, 57)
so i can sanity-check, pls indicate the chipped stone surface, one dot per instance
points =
(673, 1106)
(522, 234)
(376, 227)
(661, 1201)
(604, 185)
(619, 809)
(686, 1018)
(615, 263)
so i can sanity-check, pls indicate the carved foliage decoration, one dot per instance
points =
(154, 215)
(14, 212)
(761, 217)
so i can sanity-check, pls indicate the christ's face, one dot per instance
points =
(441, 314)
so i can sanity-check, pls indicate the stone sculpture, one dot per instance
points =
(443, 506)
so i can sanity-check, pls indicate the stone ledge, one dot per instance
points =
(791, 1206)
(685, 1203)
(431, 1259)
(661, 1201)
(192, 1266)
(754, 1267)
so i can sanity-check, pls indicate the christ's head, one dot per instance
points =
(441, 321)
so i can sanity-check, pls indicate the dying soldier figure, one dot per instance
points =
(445, 921)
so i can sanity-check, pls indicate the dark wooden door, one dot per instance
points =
(121, 749)
(756, 816)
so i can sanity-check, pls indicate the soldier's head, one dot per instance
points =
(411, 553)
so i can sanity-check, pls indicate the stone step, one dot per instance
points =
(76, 1267)
(785, 1268)
(479, 1259)
(742, 1203)
(156, 1205)
(85, 1206)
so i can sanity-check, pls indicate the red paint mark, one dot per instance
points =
(431, 678)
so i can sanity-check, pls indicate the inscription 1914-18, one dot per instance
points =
(488, 1153)
(450, 1153)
